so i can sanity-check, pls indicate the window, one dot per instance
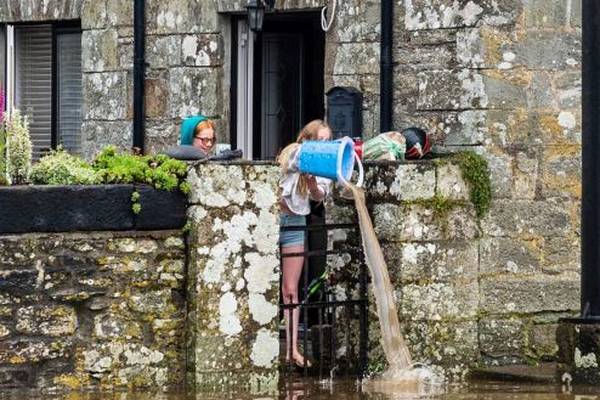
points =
(42, 77)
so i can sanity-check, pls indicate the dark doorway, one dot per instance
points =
(291, 79)
(287, 83)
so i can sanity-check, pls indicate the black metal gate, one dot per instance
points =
(318, 295)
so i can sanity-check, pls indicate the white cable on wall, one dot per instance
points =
(324, 24)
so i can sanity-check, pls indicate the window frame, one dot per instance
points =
(57, 28)
(63, 27)
(4, 65)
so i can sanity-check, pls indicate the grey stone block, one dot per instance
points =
(93, 14)
(163, 51)
(99, 50)
(356, 58)
(542, 341)
(551, 50)
(544, 14)
(454, 344)
(540, 93)
(98, 134)
(105, 96)
(55, 321)
(417, 222)
(182, 16)
(523, 218)
(425, 14)
(451, 90)
(504, 93)
(422, 58)
(510, 256)
(562, 254)
(119, 13)
(399, 181)
(530, 294)
(356, 20)
(192, 91)
(202, 50)
(439, 301)
(568, 89)
(435, 261)
(502, 338)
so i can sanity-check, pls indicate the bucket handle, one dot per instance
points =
(340, 157)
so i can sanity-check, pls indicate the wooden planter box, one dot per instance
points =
(41, 208)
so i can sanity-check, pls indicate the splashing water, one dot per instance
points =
(402, 375)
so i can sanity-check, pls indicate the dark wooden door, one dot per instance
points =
(281, 108)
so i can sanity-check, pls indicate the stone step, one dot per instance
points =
(542, 373)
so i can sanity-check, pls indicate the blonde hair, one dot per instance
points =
(310, 131)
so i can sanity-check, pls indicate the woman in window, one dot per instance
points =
(198, 131)
(297, 190)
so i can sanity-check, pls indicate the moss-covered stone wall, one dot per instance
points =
(94, 309)
(471, 291)
(120, 309)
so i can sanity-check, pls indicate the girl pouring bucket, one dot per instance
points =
(308, 168)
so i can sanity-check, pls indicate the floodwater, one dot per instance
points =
(347, 390)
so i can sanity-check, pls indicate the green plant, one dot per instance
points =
(136, 207)
(62, 168)
(475, 171)
(3, 175)
(160, 171)
(376, 366)
(19, 147)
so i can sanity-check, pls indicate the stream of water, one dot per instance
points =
(401, 374)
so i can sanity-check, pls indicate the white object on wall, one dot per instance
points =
(324, 24)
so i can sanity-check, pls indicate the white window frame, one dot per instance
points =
(245, 89)
(11, 72)
(10, 69)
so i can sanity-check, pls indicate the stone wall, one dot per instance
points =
(469, 291)
(503, 77)
(233, 277)
(97, 309)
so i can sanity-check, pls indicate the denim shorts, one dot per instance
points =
(291, 238)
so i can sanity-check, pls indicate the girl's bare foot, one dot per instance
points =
(299, 360)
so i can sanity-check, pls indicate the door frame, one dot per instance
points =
(245, 91)
(242, 97)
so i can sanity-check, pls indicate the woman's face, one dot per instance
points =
(205, 140)
(324, 134)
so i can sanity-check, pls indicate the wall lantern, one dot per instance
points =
(256, 13)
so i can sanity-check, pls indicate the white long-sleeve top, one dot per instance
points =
(297, 203)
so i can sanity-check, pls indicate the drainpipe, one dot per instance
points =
(590, 196)
(139, 64)
(387, 65)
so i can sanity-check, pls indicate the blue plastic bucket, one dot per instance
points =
(329, 159)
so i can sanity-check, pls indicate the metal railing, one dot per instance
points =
(325, 303)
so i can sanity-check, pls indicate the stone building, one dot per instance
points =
(499, 77)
